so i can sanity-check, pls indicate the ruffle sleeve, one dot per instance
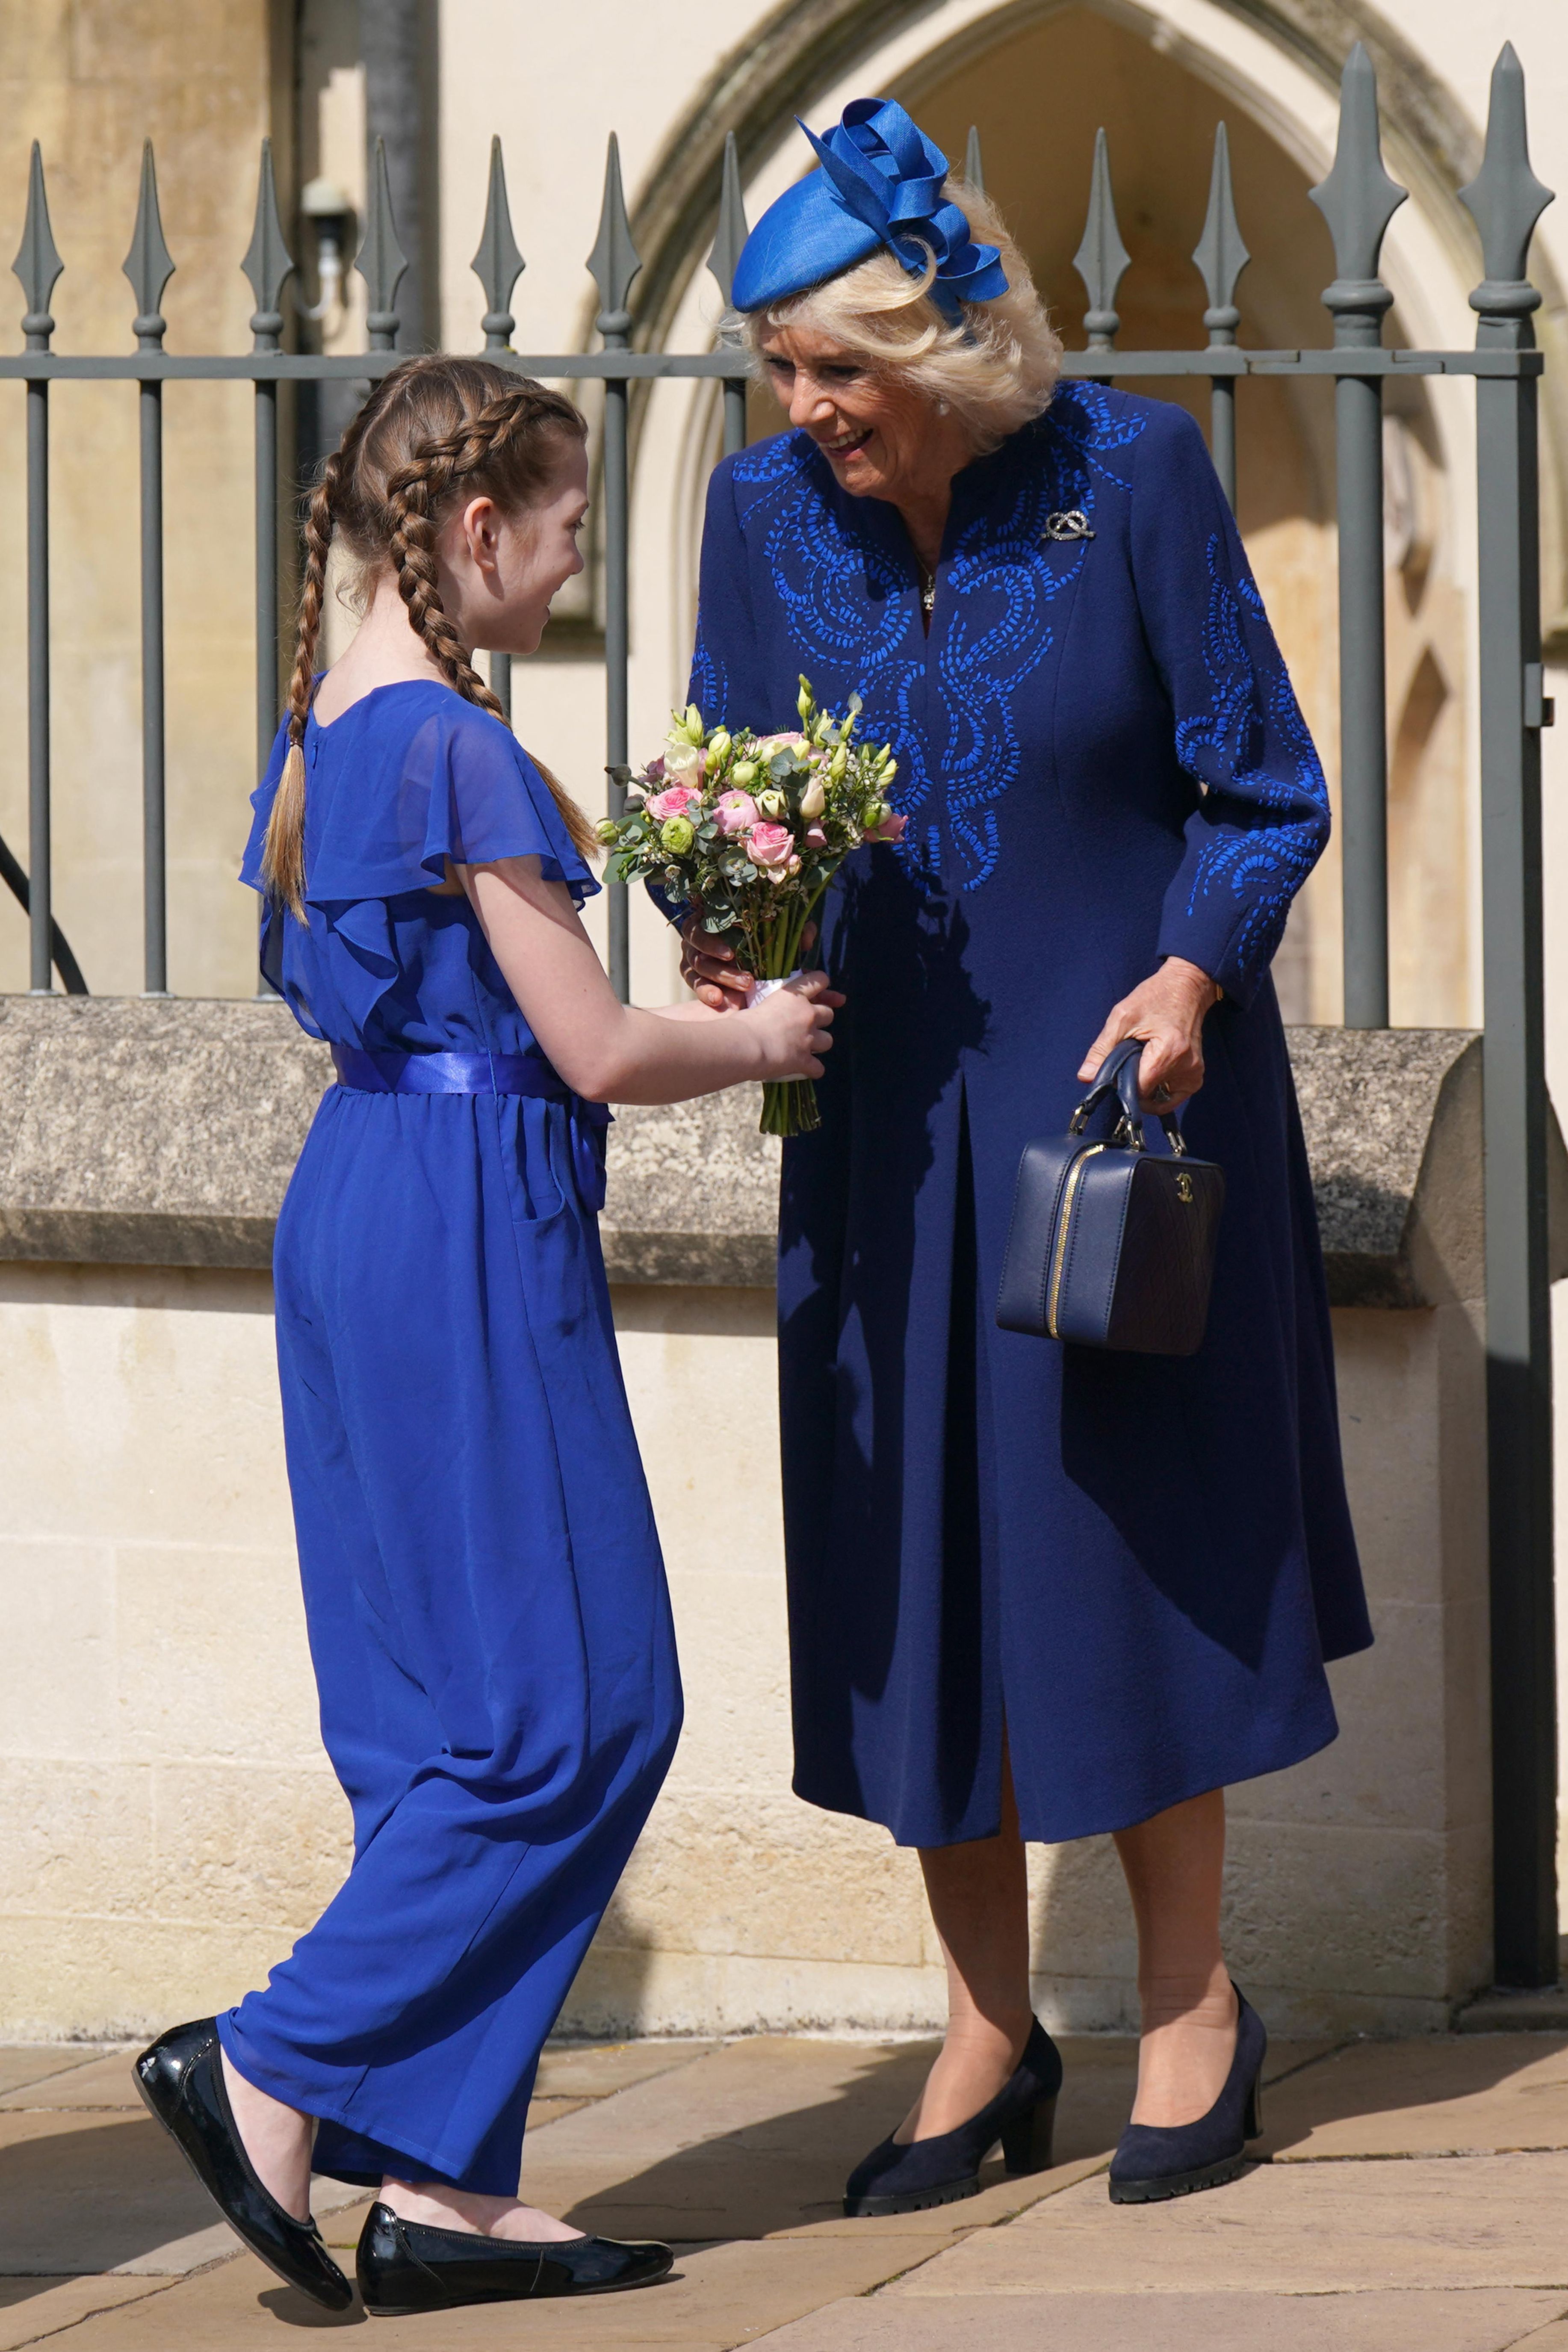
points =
(386, 804)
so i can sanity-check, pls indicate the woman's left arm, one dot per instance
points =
(1262, 815)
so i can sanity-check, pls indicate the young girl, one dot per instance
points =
(483, 1588)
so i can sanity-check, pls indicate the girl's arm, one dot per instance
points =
(610, 1052)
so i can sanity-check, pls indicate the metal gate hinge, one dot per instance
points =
(1540, 709)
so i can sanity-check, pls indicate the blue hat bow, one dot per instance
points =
(882, 183)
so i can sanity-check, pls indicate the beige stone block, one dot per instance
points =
(1413, 2321)
(124, 1979)
(701, 1374)
(1312, 2229)
(140, 1403)
(1444, 2095)
(734, 1662)
(1337, 1909)
(1388, 1372)
(1390, 1767)
(58, 1606)
(73, 1837)
(740, 1873)
(93, 2192)
(651, 1990)
(214, 1660)
(247, 1848)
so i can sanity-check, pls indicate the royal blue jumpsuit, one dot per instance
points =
(484, 1593)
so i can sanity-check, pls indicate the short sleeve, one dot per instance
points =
(1262, 815)
(419, 778)
(488, 801)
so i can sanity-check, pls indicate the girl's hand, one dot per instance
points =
(793, 1025)
(708, 965)
(1168, 1010)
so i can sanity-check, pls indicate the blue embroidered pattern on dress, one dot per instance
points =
(850, 612)
(1224, 746)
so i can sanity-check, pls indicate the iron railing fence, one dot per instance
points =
(1357, 199)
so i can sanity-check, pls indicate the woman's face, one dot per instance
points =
(882, 438)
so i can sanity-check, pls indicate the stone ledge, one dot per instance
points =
(163, 1131)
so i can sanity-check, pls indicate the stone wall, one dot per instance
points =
(169, 1824)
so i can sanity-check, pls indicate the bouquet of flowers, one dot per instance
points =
(747, 831)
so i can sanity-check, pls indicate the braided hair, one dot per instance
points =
(435, 426)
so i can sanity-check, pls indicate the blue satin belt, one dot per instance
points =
(486, 1074)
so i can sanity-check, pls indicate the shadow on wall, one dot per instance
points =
(607, 2002)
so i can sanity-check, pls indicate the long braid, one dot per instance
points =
(283, 850)
(413, 494)
(503, 440)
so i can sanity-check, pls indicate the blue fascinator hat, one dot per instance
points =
(882, 183)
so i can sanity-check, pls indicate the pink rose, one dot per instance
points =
(735, 812)
(674, 803)
(814, 837)
(770, 847)
(890, 829)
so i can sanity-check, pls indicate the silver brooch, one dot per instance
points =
(1073, 524)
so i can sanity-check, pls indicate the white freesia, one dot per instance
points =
(683, 764)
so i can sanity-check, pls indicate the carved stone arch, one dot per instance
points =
(804, 47)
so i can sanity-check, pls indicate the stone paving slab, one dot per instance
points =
(1308, 2228)
(32, 2308)
(96, 2082)
(722, 2297)
(1449, 2095)
(1467, 2321)
(41, 2062)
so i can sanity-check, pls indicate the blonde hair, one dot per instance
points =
(437, 425)
(995, 368)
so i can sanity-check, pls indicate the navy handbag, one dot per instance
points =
(1113, 1245)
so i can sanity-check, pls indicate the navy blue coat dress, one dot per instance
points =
(1129, 1568)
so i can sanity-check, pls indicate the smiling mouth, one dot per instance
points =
(847, 443)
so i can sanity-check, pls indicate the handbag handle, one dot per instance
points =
(1118, 1076)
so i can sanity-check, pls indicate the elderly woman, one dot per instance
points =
(1035, 1591)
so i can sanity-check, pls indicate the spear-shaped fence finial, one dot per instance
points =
(498, 265)
(973, 164)
(267, 262)
(37, 265)
(1505, 200)
(1220, 255)
(1358, 200)
(731, 232)
(1101, 259)
(615, 260)
(149, 265)
(382, 260)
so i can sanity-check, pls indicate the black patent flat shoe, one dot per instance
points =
(927, 2172)
(405, 2267)
(1156, 2162)
(180, 2077)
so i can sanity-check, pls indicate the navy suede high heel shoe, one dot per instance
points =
(908, 2180)
(1156, 2162)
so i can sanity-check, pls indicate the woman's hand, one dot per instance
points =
(1168, 1010)
(708, 966)
(794, 1024)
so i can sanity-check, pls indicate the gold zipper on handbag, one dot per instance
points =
(1076, 1171)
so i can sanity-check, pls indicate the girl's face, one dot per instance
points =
(873, 428)
(505, 569)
